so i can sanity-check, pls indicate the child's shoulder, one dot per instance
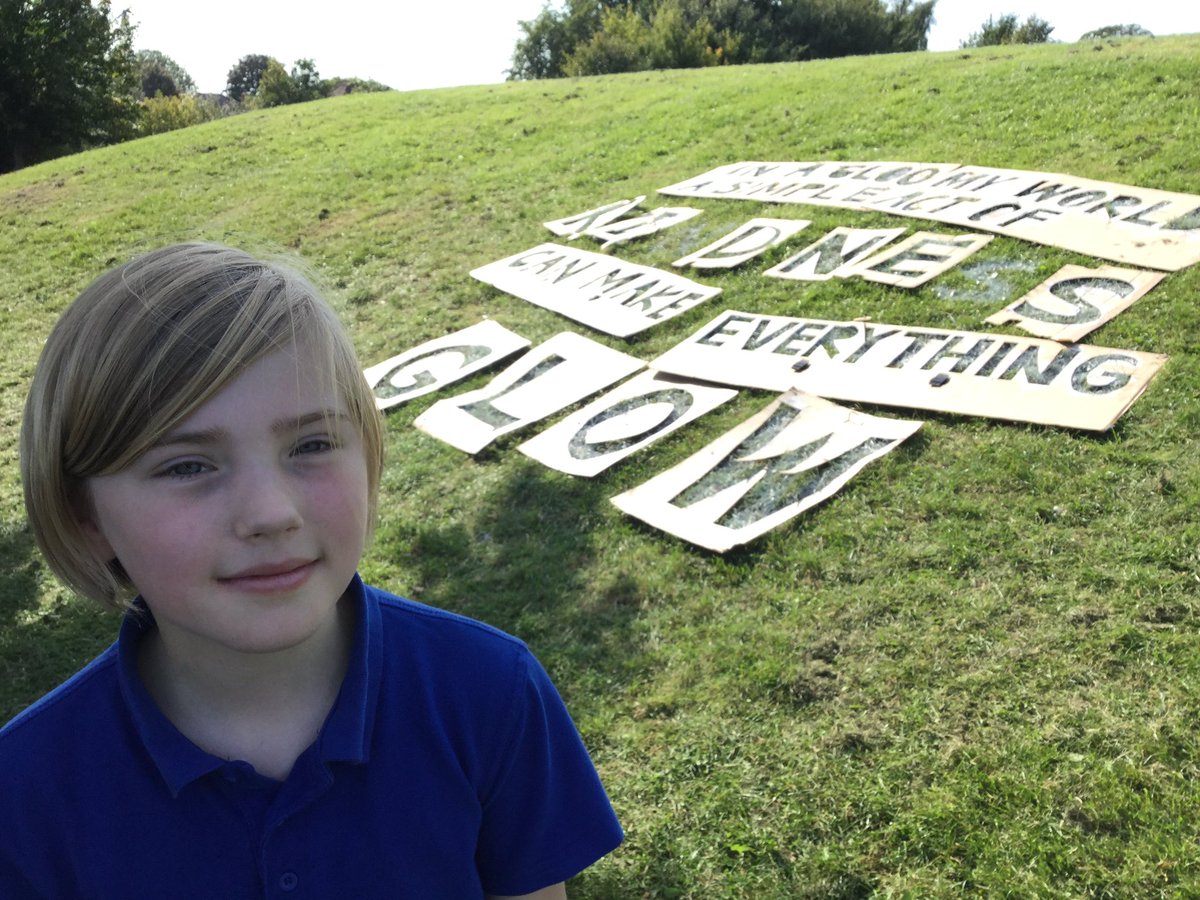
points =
(70, 729)
(464, 663)
(417, 623)
(66, 707)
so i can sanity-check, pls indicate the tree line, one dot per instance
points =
(70, 80)
(1008, 29)
(598, 37)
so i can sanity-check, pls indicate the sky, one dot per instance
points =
(444, 43)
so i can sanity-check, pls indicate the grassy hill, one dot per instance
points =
(975, 671)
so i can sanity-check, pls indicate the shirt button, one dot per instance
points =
(289, 881)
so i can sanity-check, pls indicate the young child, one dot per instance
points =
(199, 433)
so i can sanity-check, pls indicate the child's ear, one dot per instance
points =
(93, 534)
(96, 540)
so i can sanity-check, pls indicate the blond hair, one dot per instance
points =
(144, 346)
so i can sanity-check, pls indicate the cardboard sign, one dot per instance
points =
(743, 243)
(573, 226)
(1075, 301)
(626, 419)
(1000, 376)
(834, 255)
(617, 297)
(919, 258)
(441, 362)
(623, 230)
(1139, 226)
(553, 375)
(794, 454)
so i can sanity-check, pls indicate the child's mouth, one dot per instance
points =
(270, 577)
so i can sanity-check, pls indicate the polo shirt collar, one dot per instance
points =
(345, 736)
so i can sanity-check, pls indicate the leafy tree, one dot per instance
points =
(593, 36)
(157, 83)
(826, 29)
(159, 72)
(274, 88)
(166, 113)
(277, 87)
(262, 81)
(1115, 31)
(243, 78)
(307, 82)
(550, 38)
(626, 42)
(1033, 31)
(68, 79)
(1007, 30)
(908, 24)
(333, 87)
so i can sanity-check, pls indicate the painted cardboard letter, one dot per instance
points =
(603, 292)
(573, 226)
(623, 230)
(794, 454)
(1118, 222)
(555, 374)
(1076, 300)
(833, 256)
(440, 362)
(744, 243)
(624, 420)
(914, 261)
(974, 373)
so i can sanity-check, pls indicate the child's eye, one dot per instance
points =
(187, 468)
(312, 445)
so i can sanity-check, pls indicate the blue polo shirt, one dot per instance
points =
(447, 768)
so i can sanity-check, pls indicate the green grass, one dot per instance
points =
(974, 672)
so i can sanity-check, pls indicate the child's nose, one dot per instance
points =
(266, 504)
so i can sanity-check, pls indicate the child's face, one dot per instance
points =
(243, 527)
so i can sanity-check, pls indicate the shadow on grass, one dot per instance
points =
(39, 648)
(20, 565)
(523, 562)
